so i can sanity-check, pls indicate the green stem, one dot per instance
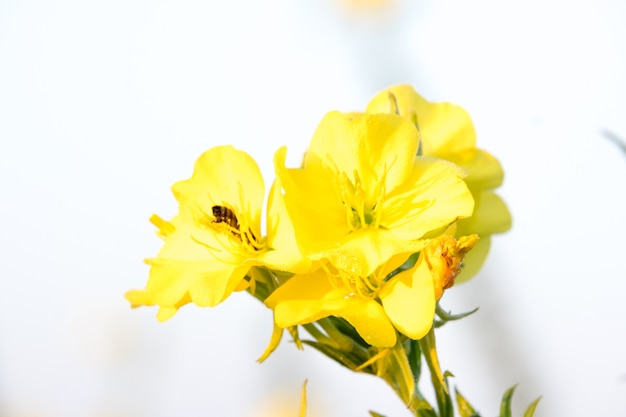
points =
(429, 349)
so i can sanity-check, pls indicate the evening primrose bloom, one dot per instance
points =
(379, 304)
(447, 132)
(211, 244)
(361, 195)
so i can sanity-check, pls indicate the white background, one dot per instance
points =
(104, 104)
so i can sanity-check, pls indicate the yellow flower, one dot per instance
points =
(378, 304)
(211, 244)
(362, 196)
(447, 132)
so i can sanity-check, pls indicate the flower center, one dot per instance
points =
(361, 208)
(242, 232)
(238, 230)
(364, 287)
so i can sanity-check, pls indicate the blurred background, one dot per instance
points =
(105, 104)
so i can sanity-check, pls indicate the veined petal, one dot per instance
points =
(378, 148)
(409, 300)
(308, 298)
(433, 196)
(444, 127)
(282, 253)
(224, 176)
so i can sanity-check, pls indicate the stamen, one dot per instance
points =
(165, 228)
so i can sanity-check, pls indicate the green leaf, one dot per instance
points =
(424, 409)
(414, 354)
(464, 407)
(408, 264)
(375, 414)
(530, 411)
(429, 350)
(505, 405)
(446, 316)
(347, 329)
(348, 360)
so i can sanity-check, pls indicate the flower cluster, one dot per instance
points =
(371, 228)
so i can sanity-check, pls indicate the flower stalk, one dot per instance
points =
(390, 208)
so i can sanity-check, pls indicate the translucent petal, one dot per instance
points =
(491, 216)
(484, 171)
(474, 259)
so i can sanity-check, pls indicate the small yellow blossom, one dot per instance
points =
(210, 245)
(378, 304)
(447, 132)
(362, 196)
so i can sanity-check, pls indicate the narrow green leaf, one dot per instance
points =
(429, 350)
(375, 414)
(345, 329)
(447, 316)
(401, 373)
(505, 405)
(348, 360)
(408, 264)
(426, 412)
(414, 354)
(464, 407)
(530, 411)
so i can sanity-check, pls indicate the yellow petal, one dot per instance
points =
(316, 211)
(484, 171)
(211, 287)
(364, 250)
(380, 148)
(283, 253)
(491, 216)
(444, 127)
(434, 196)
(308, 298)
(409, 300)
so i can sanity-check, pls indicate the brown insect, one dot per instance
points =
(225, 215)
